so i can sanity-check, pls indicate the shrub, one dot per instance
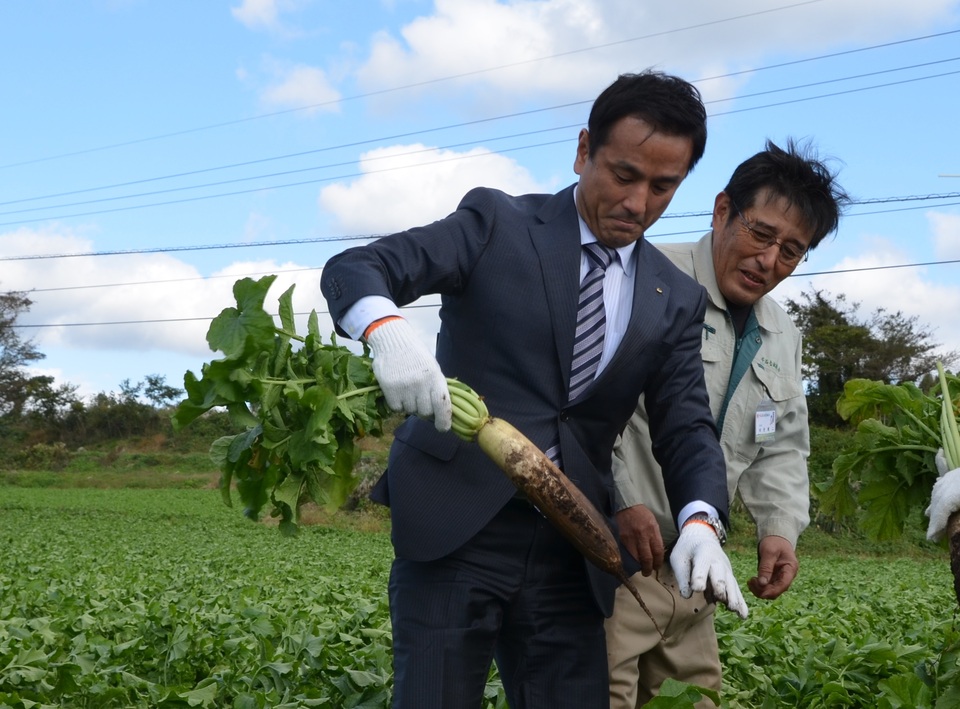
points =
(825, 445)
(40, 456)
(203, 431)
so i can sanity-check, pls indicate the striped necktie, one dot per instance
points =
(591, 320)
(591, 325)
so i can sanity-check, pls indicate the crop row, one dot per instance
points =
(165, 598)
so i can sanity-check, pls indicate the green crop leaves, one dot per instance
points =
(148, 599)
(137, 599)
(888, 470)
(301, 405)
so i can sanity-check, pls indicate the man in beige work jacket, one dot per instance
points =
(777, 207)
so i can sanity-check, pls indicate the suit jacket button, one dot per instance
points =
(564, 415)
(331, 289)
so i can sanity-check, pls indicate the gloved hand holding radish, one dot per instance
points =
(408, 374)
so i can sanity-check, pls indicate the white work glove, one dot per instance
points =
(944, 498)
(408, 373)
(697, 560)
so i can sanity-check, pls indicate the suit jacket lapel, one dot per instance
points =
(557, 242)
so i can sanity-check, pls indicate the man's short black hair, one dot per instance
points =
(668, 103)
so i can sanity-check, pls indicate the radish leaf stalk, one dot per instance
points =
(950, 439)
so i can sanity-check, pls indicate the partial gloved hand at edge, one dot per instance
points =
(408, 374)
(944, 498)
(699, 563)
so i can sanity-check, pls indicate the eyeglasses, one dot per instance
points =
(789, 254)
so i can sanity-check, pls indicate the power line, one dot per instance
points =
(872, 268)
(413, 306)
(293, 172)
(864, 200)
(160, 281)
(154, 321)
(453, 126)
(839, 93)
(199, 247)
(329, 148)
(452, 159)
(275, 187)
(361, 237)
(832, 55)
(404, 87)
(847, 78)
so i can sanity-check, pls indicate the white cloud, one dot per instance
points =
(256, 13)
(263, 14)
(386, 200)
(946, 235)
(915, 292)
(132, 289)
(577, 46)
(300, 86)
(128, 289)
(429, 187)
(67, 293)
(463, 36)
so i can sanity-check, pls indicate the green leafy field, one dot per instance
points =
(167, 598)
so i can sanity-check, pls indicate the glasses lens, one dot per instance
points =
(788, 254)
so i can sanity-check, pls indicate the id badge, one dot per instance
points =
(765, 422)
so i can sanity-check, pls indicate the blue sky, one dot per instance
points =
(268, 129)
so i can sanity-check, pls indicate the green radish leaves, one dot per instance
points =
(889, 468)
(299, 403)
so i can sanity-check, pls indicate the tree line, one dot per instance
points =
(839, 344)
(35, 410)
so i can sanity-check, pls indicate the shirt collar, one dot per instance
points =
(587, 237)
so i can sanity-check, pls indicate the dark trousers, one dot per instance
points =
(517, 592)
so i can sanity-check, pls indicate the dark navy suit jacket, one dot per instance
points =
(508, 269)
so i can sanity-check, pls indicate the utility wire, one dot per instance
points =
(417, 152)
(404, 87)
(285, 271)
(839, 93)
(872, 268)
(452, 159)
(285, 185)
(199, 247)
(329, 148)
(413, 306)
(153, 321)
(159, 281)
(284, 173)
(465, 124)
(846, 78)
(362, 237)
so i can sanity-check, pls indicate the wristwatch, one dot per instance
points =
(713, 522)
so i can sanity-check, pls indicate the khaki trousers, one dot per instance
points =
(639, 661)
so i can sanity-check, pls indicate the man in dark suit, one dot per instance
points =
(479, 574)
